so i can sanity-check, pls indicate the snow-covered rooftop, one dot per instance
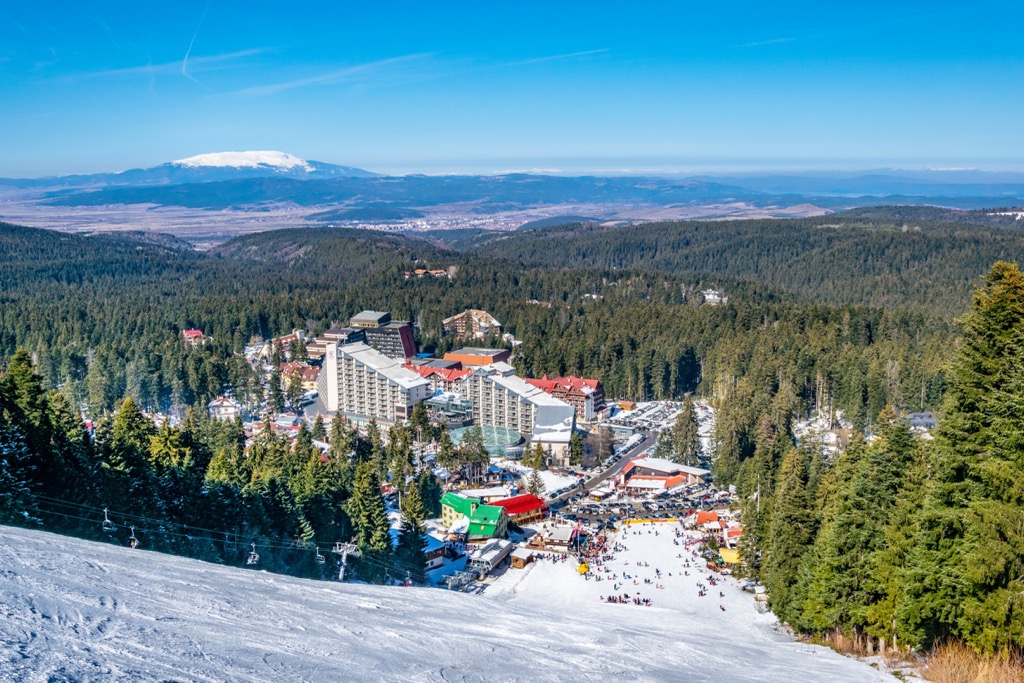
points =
(652, 484)
(669, 467)
(489, 492)
(393, 370)
(525, 390)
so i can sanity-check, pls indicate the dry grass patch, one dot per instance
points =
(957, 663)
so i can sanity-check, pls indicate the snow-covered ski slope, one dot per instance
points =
(84, 611)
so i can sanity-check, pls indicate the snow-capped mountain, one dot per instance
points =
(272, 159)
(204, 168)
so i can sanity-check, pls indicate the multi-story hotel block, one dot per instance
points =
(501, 399)
(393, 338)
(361, 382)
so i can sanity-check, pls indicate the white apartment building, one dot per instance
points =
(501, 399)
(360, 382)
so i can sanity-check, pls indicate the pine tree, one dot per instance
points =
(663, 447)
(129, 481)
(430, 493)
(399, 453)
(409, 555)
(576, 450)
(685, 435)
(864, 487)
(321, 492)
(71, 446)
(373, 530)
(294, 391)
(341, 443)
(16, 497)
(275, 400)
(965, 572)
(29, 409)
(319, 432)
(97, 388)
(225, 469)
(790, 532)
(446, 450)
(539, 460)
(535, 485)
(419, 421)
(298, 350)
(886, 566)
(301, 451)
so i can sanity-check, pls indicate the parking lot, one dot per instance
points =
(679, 503)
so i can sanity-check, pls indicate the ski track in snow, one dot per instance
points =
(85, 611)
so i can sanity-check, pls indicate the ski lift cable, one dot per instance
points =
(271, 545)
(126, 515)
(165, 532)
(164, 523)
(294, 545)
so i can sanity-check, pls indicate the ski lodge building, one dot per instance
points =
(654, 475)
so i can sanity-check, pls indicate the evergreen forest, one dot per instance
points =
(902, 539)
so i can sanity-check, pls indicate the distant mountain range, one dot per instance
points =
(236, 180)
(883, 183)
(203, 168)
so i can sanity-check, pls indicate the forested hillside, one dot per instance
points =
(894, 539)
(904, 541)
(110, 327)
(870, 257)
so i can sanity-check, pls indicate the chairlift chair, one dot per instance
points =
(320, 559)
(254, 557)
(108, 526)
(132, 541)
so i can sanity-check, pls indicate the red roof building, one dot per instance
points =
(524, 509)
(307, 374)
(441, 379)
(193, 337)
(585, 395)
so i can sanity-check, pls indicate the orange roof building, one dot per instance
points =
(476, 357)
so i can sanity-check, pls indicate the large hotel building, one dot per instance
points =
(359, 381)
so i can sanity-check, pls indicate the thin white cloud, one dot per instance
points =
(184, 61)
(357, 73)
(203, 63)
(770, 41)
(111, 33)
(551, 58)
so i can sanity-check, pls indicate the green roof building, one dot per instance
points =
(485, 521)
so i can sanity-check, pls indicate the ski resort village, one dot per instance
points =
(439, 342)
(523, 528)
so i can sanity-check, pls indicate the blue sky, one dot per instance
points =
(487, 86)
